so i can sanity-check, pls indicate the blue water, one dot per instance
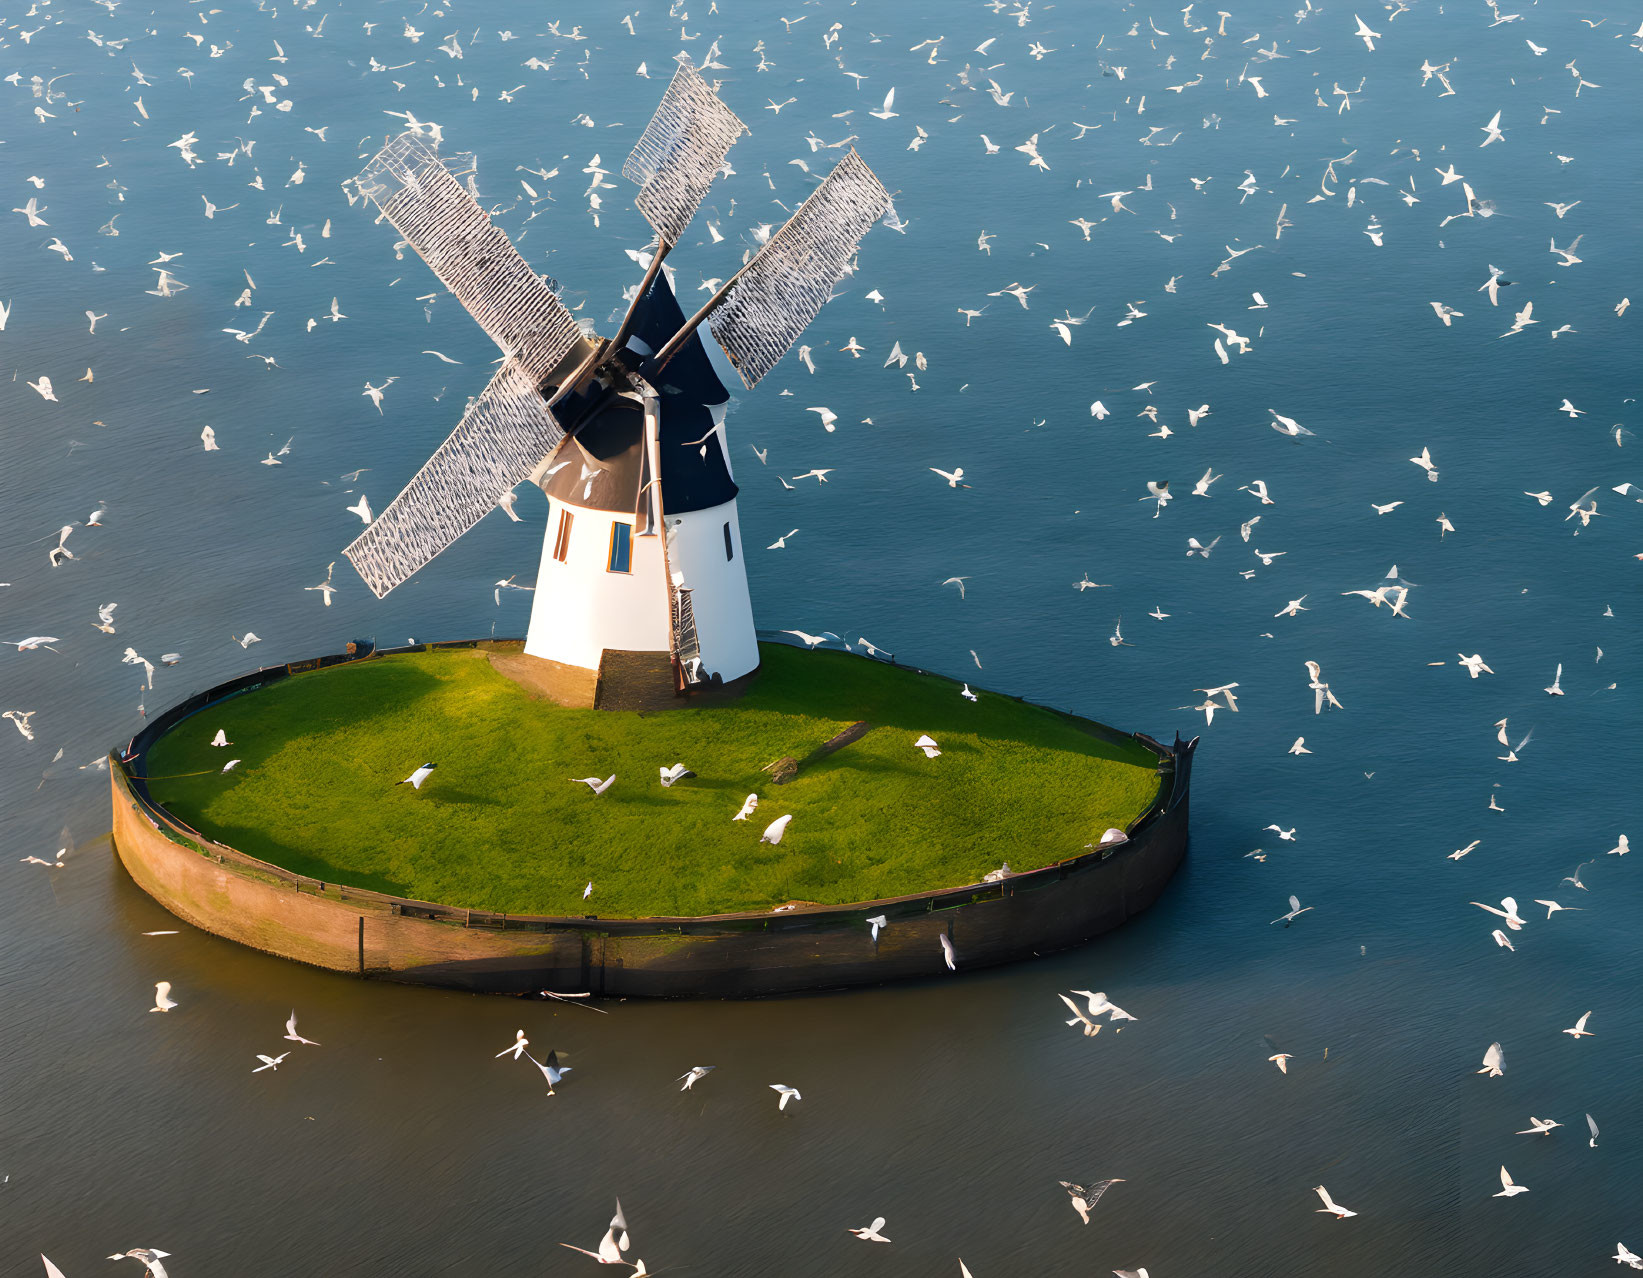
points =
(951, 1108)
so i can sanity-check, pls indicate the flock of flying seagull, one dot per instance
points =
(1242, 65)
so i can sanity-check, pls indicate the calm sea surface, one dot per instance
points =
(951, 1108)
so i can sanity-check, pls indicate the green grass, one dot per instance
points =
(500, 826)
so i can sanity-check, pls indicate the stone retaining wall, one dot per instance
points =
(232, 895)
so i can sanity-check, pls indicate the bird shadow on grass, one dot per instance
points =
(449, 794)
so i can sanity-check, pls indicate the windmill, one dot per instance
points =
(641, 576)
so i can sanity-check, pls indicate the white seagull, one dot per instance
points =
(551, 1071)
(870, 1233)
(416, 778)
(1330, 1205)
(1507, 1188)
(694, 1075)
(1508, 911)
(516, 1049)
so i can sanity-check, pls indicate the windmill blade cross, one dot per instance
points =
(427, 203)
(680, 152)
(771, 300)
(501, 439)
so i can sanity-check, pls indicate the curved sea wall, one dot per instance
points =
(369, 934)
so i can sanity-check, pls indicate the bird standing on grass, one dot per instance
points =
(416, 778)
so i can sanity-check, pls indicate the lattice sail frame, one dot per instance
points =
(501, 439)
(508, 429)
(680, 151)
(423, 197)
(789, 280)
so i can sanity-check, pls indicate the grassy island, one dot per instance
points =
(500, 826)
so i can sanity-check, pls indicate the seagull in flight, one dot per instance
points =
(1507, 912)
(694, 1075)
(374, 393)
(516, 1049)
(1085, 1197)
(1507, 1188)
(149, 1256)
(1091, 1029)
(868, 1233)
(551, 1071)
(1330, 1205)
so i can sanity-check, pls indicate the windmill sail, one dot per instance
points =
(777, 294)
(509, 429)
(501, 439)
(426, 201)
(680, 151)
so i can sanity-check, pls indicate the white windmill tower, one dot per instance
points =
(642, 582)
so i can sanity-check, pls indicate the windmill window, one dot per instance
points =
(621, 547)
(730, 547)
(561, 540)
